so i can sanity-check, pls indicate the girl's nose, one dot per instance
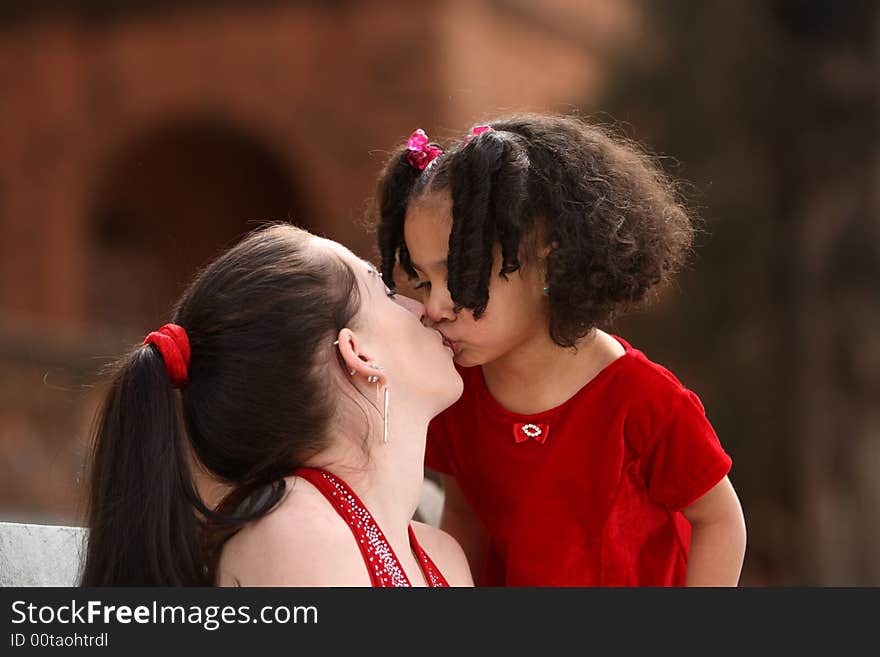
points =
(439, 306)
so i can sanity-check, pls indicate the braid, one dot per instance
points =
(488, 180)
(509, 194)
(395, 187)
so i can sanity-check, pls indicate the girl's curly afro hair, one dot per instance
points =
(610, 218)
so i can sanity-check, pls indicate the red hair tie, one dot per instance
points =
(172, 342)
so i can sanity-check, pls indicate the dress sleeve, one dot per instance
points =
(685, 459)
(437, 449)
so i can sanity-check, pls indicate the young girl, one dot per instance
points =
(274, 433)
(571, 458)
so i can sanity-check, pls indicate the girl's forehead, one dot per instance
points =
(435, 205)
(428, 222)
(428, 246)
(427, 241)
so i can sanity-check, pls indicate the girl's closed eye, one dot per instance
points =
(422, 285)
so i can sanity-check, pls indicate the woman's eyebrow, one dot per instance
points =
(375, 273)
(372, 271)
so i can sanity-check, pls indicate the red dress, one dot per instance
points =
(384, 567)
(588, 493)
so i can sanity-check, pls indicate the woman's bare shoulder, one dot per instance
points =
(302, 542)
(445, 552)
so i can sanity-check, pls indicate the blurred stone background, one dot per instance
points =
(139, 138)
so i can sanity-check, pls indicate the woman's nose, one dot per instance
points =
(411, 305)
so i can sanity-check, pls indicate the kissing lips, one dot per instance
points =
(449, 343)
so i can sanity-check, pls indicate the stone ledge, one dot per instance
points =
(40, 555)
(51, 555)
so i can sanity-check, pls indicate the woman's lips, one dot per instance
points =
(449, 343)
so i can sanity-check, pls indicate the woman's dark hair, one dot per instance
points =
(261, 320)
(611, 219)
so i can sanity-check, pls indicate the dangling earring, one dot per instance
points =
(385, 417)
(374, 378)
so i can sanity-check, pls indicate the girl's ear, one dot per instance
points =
(351, 348)
(547, 250)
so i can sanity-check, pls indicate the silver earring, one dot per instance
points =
(375, 379)
(372, 378)
(352, 372)
(385, 418)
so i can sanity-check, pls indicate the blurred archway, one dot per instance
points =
(172, 198)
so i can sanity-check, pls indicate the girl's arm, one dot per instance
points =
(718, 538)
(459, 520)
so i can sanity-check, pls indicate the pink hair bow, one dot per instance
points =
(420, 153)
(478, 130)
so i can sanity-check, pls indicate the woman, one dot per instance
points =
(292, 453)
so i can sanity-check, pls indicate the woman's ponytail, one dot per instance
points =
(142, 502)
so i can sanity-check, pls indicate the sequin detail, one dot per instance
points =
(383, 565)
(432, 574)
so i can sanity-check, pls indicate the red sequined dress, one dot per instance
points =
(382, 564)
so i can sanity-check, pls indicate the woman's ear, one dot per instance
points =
(347, 343)
(357, 361)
